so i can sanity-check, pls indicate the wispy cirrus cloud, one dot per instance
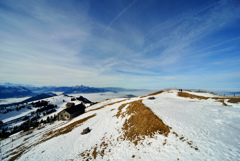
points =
(119, 15)
(43, 39)
(178, 36)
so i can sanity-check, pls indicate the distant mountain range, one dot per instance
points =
(44, 89)
(9, 90)
(14, 92)
(85, 89)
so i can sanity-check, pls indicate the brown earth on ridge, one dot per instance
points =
(142, 123)
(152, 94)
(220, 99)
(234, 100)
(188, 95)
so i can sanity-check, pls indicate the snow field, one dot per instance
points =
(212, 127)
(200, 130)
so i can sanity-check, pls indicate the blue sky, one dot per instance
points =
(121, 43)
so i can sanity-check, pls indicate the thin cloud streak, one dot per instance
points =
(48, 39)
(119, 15)
(179, 38)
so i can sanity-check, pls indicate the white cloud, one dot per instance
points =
(176, 36)
(119, 15)
(42, 42)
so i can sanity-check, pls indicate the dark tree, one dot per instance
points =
(3, 131)
(48, 119)
(55, 117)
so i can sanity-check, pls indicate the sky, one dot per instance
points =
(121, 43)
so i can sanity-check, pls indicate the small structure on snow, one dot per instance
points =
(71, 112)
(151, 98)
(85, 131)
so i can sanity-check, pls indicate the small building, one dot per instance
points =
(71, 112)
(70, 104)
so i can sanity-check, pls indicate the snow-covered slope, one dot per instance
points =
(165, 127)
(14, 117)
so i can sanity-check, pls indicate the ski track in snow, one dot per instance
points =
(211, 127)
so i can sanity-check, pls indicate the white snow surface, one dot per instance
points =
(57, 100)
(213, 128)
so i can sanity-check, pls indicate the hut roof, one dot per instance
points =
(75, 109)
(70, 104)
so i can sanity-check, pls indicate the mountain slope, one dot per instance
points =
(165, 127)
(36, 113)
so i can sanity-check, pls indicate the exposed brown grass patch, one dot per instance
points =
(175, 133)
(219, 99)
(95, 151)
(16, 156)
(120, 111)
(192, 96)
(190, 142)
(234, 100)
(152, 94)
(165, 142)
(224, 104)
(143, 122)
(183, 139)
(201, 91)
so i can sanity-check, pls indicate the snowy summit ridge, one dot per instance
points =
(167, 125)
